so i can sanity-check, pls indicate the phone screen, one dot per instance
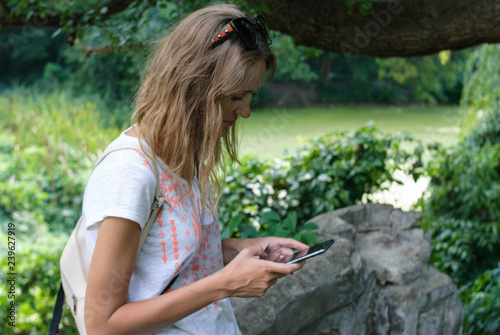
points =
(315, 250)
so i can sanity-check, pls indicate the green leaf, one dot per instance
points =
(309, 226)
(269, 217)
(290, 222)
(308, 238)
(228, 231)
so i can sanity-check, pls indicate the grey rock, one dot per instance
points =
(375, 279)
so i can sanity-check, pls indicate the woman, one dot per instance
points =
(198, 84)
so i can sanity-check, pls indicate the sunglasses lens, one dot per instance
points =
(261, 24)
(247, 33)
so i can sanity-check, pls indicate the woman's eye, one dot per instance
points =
(237, 98)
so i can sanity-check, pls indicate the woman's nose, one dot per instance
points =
(243, 110)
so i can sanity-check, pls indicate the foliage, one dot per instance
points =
(482, 304)
(331, 171)
(463, 207)
(464, 216)
(292, 59)
(48, 144)
(24, 53)
(37, 280)
(353, 81)
(481, 93)
(464, 248)
(432, 78)
(125, 38)
(271, 224)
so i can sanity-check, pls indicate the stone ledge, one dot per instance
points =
(375, 279)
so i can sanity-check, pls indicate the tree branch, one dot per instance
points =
(89, 51)
(4, 9)
(402, 28)
(398, 28)
(56, 19)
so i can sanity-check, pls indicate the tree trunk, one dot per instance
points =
(326, 69)
(397, 28)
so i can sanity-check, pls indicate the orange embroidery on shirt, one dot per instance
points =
(196, 226)
(144, 161)
(164, 252)
(216, 231)
(160, 213)
(216, 307)
(174, 235)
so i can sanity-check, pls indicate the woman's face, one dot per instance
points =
(239, 104)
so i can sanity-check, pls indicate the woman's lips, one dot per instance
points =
(229, 123)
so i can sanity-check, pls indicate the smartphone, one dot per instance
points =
(315, 250)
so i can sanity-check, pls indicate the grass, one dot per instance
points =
(269, 132)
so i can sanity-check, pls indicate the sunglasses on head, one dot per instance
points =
(246, 30)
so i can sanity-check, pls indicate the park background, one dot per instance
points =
(331, 130)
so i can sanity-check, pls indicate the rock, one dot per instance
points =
(375, 279)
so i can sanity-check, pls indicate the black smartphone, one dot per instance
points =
(315, 250)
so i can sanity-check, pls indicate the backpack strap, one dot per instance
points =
(57, 313)
(159, 199)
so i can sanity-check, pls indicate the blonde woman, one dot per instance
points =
(198, 84)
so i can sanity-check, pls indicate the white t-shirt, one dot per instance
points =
(184, 239)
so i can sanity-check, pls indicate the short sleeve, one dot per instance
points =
(122, 185)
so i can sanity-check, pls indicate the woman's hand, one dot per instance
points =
(249, 274)
(276, 249)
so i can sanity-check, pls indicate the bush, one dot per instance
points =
(464, 203)
(37, 281)
(329, 172)
(48, 145)
(481, 298)
(463, 215)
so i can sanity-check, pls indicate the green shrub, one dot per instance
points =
(329, 172)
(48, 145)
(463, 208)
(37, 281)
(49, 142)
(464, 203)
(481, 298)
(463, 215)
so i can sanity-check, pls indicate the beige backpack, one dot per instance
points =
(75, 262)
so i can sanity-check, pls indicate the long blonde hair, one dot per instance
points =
(179, 104)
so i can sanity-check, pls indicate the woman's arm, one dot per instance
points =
(106, 307)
